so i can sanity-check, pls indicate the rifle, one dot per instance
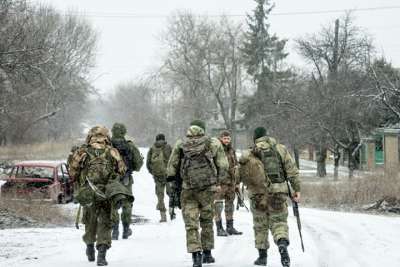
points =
(295, 205)
(240, 201)
(176, 194)
(78, 216)
(296, 213)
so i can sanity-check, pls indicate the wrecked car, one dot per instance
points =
(45, 180)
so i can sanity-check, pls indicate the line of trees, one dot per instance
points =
(236, 76)
(45, 62)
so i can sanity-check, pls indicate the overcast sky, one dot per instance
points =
(129, 44)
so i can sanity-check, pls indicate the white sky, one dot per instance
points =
(129, 47)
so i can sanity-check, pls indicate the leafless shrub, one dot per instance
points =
(351, 194)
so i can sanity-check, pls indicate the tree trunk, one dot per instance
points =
(337, 156)
(321, 161)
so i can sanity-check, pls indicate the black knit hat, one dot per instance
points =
(259, 132)
(199, 123)
(160, 136)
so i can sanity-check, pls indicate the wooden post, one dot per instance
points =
(391, 150)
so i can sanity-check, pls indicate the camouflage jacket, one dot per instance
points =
(250, 163)
(76, 162)
(216, 148)
(232, 176)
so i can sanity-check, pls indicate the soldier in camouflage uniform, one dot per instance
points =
(157, 161)
(133, 161)
(200, 161)
(264, 169)
(96, 166)
(228, 184)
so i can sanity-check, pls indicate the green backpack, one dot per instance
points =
(96, 173)
(158, 162)
(197, 166)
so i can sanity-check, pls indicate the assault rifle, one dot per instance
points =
(175, 200)
(240, 200)
(295, 205)
(296, 213)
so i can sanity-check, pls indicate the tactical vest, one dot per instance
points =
(159, 161)
(197, 165)
(271, 159)
(125, 151)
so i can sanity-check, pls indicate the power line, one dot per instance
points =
(296, 13)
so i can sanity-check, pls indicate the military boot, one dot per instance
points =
(220, 229)
(197, 259)
(115, 231)
(262, 258)
(282, 246)
(230, 229)
(90, 253)
(172, 214)
(207, 257)
(101, 255)
(163, 217)
(126, 232)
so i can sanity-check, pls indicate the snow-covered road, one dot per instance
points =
(332, 239)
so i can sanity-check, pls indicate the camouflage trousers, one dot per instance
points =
(126, 206)
(270, 213)
(197, 212)
(97, 221)
(227, 193)
(161, 185)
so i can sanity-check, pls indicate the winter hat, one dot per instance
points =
(199, 123)
(160, 137)
(259, 132)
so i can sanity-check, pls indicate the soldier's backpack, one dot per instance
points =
(158, 162)
(197, 167)
(271, 160)
(95, 175)
(124, 150)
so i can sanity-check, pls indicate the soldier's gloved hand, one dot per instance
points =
(296, 197)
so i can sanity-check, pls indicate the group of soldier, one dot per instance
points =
(200, 174)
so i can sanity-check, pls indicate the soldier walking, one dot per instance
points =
(229, 184)
(265, 170)
(200, 160)
(97, 168)
(133, 161)
(157, 161)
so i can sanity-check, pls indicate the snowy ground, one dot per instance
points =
(331, 239)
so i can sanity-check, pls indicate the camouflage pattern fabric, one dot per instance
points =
(227, 194)
(198, 204)
(160, 174)
(272, 218)
(267, 194)
(161, 186)
(197, 212)
(97, 221)
(134, 161)
(216, 149)
(157, 158)
(228, 183)
(97, 216)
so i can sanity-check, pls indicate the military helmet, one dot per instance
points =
(98, 134)
(118, 130)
